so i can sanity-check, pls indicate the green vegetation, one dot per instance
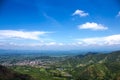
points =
(8, 74)
(91, 66)
(31, 73)
(41, 73)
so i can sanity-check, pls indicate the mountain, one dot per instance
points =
(90, 58)
(8, 74)
(94, 66)
(89, 66)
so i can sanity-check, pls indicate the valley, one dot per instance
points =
(89, 66)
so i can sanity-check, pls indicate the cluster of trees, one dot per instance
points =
(8, 74)
(91, 66)
(94, 66)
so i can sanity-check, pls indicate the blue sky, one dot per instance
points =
(60, 25)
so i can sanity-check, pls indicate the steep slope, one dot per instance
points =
(94, 72)
(90, 58)
(7, 74)
(94, 66)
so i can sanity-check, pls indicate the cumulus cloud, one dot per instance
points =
(92, 26)
(33, 35)
(32, 40)
(118, 15)
(96, 41)
(19, 39)
(101, 41)
(80, 13)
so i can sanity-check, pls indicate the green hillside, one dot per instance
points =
(91, 66)
(94, 66)
(8, 74)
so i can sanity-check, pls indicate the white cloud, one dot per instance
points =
(92, 26)
(33, 35)
(32, 45)
(83, 43)
(80, 13)
(95, 41)
(32, 40)
(101, 41)
(118, 15)
(18, 39)
(54, 44)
